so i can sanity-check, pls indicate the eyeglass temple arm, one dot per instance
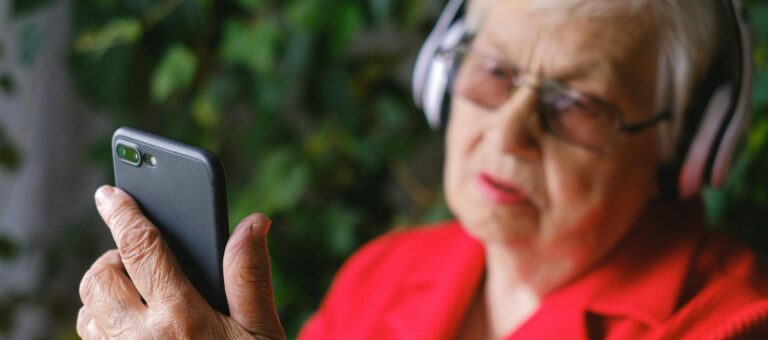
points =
(637, 127)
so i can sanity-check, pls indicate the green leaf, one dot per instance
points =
(251, 44)
(342, 222)
(278, 184)
(760, 89)
(107, 78)
(175, 72)
(284, 179)
(117, 32)
(392, 114)
(758, 13)
(348, 23)
(758, 136)
(303, 14)
(205, 111)
(716, 202)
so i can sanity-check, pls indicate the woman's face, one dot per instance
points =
(511, 183)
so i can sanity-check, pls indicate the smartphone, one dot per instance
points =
(181, 189)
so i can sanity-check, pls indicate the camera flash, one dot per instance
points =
(150, 160)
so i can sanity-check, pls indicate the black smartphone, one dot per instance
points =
(181, 189)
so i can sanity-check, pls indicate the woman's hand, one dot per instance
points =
(112, 302)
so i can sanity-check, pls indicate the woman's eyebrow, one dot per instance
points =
(586, 70)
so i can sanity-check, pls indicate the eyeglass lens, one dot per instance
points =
(564, 113)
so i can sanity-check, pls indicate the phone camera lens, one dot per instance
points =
(121, 150)
(128, 154)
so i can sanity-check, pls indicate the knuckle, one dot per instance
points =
(172, 320)
(138, 241)
(86, 286)
(122, 210)
(178, 318)
(82, 321)
(91, 281)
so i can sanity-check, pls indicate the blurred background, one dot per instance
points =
(307, 102)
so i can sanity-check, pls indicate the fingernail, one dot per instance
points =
(103, 193)
(260, 229)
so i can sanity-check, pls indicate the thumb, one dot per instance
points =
(248, 278)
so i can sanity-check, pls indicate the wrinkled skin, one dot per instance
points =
(112, 305)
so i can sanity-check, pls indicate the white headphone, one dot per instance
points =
(722, 123)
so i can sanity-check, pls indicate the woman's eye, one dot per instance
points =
(498, 72)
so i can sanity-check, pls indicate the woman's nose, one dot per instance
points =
(516, 130)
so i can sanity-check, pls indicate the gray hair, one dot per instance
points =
(688, 43)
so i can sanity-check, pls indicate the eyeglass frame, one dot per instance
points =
(532, 81)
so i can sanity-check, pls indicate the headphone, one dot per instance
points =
(711, 134)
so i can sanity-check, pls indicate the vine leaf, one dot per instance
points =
(252, 45)
(349, 21)
(117, 32)
(175, 72)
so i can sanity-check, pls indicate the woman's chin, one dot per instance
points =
(514, 227)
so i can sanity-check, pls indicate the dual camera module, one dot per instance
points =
(130, 154)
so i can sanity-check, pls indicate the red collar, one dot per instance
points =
(641, 279)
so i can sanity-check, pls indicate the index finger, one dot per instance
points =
(147, 259)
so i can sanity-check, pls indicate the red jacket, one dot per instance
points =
(663, 281)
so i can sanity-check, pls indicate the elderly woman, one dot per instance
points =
(562, 115)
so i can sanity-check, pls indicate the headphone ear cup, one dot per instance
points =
(431, 75)
(738, 124)
(439, 78)
(436, 92)
(726, 116)
(693, 172)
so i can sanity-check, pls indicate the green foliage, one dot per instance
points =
(116, 32)
(251, 44)
(175, 72)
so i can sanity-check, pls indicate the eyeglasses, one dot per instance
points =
(565, 113)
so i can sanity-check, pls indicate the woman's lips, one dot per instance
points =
(499, 191)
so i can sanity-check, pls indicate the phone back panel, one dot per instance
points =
(184, 195)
